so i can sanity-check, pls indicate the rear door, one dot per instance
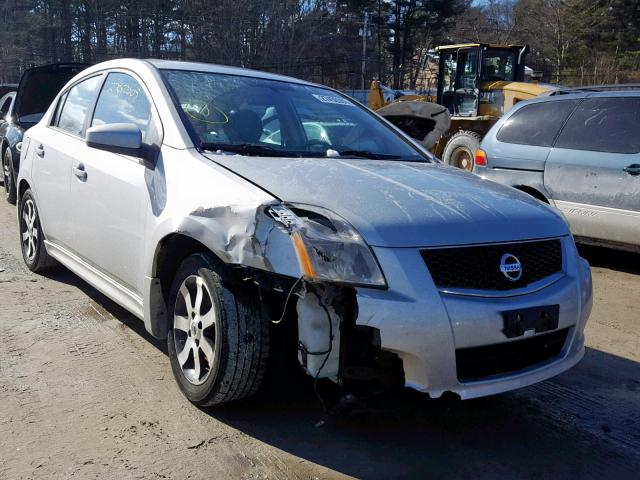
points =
(54, 148)
(109, 191)
(593, 171)
(524, 140)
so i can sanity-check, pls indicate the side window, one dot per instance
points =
(122, 100)
(536, 124)
(469, 70)
(5, 103)
(604, 125)
(449, 77)
(56, 116)
(76, 105)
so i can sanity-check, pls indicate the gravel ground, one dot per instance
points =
(86, 393)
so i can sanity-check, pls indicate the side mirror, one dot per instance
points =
(122, 138)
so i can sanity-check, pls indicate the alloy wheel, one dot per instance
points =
(30, 230)
(194, 329)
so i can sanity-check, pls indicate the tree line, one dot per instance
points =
(341, 43)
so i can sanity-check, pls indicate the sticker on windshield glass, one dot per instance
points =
(334, 100)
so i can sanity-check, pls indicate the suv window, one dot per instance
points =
(604, 125)
(76, 105)
(536, 124)
(122, 100)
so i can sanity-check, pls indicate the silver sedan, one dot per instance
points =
(245, 216)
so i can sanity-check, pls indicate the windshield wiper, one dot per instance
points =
(247, 149)
(368, 154)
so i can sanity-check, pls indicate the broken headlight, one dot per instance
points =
(328, 247)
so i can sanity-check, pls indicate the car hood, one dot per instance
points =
(39, 86)
(404, 204)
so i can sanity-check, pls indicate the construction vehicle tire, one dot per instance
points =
(461, 149)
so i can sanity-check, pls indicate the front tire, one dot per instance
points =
(460, 150)
(34, 252)
(9, 177)
(218, 340)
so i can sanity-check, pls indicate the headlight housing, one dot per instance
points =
(328, 247)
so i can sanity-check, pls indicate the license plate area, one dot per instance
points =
(533, 320)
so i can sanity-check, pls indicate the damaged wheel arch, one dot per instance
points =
(170, 252)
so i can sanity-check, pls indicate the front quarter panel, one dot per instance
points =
(196, 198)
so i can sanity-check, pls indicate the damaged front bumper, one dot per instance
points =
(428, 328)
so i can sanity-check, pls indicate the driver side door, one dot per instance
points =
(109, 190)
(467, 90)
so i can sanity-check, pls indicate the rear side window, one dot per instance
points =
(604, 125)
(536, 124)
(122, 100)
(56, 115)
(76, 105)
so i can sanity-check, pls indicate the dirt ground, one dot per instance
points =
(86, 393)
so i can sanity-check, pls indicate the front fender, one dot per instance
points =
(237, 235)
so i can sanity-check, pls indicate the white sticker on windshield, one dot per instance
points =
(334, 100)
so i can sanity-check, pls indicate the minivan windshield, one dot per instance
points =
(263, 117)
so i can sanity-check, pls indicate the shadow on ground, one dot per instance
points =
(67, 277)
(516, 435)
(628, 262)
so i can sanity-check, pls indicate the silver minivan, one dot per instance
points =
(579, 151)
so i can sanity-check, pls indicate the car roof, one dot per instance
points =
(576, 94)
(213, 68)
(560, 90)
(157, 64)
(565, 94)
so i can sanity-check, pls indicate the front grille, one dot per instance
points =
(478, 362)
(478, 267)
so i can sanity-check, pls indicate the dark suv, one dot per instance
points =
(579, 151)
(36, 90)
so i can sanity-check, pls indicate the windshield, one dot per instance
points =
(255, 116)
(498, 65)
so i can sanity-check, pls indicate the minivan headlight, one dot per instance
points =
(328, 247)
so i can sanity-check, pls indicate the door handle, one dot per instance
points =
(80, 172)
(633, 169)
(40, 151)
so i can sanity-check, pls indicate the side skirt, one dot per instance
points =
(100, 281)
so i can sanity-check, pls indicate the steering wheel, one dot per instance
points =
(205, 112)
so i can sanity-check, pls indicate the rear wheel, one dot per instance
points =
(461, 150)
(34, 253)
(219, 340)
(9, 177)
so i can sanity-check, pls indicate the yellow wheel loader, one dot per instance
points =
(477, 84)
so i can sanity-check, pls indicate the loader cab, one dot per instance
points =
(465, 69)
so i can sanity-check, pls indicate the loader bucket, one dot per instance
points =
(424, 121)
